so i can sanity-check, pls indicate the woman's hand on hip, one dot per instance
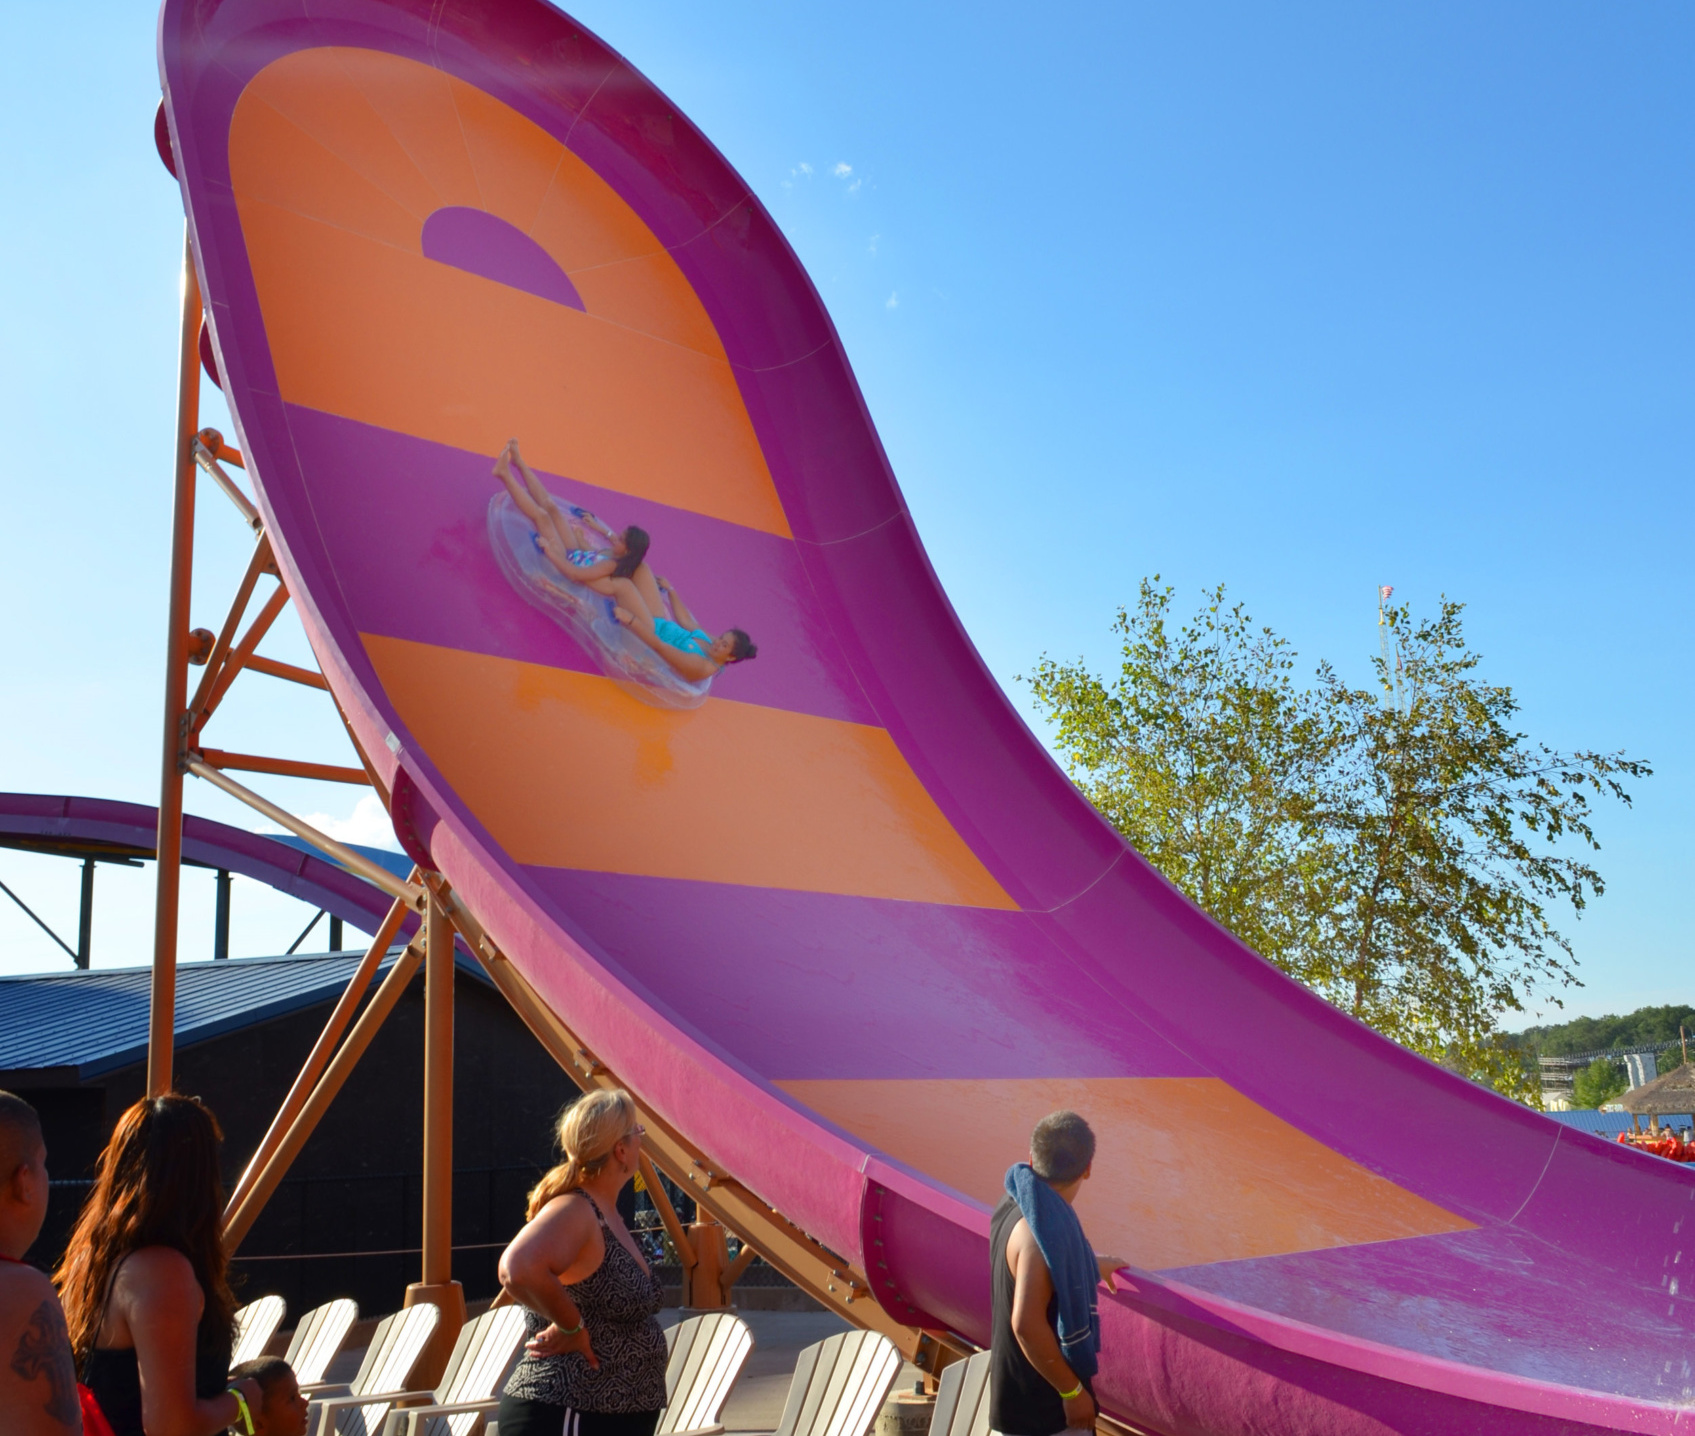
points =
(551, 1341)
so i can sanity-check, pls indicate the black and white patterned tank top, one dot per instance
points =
(619, 1300)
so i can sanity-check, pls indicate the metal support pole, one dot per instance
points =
(85, 923)
(438, 1096)
(221, 919)
(161, 1026)
(438, 1284)
(335, 933)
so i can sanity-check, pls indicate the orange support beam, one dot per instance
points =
(283, 767)
(303, 676)
(161, 1023)
(437, 1284)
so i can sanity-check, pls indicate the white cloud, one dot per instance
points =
(367, 825)
(854, 187)
(842, 169)
(873, 245)
(893, 301)
(803, 168)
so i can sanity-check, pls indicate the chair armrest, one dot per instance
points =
(717, 1430)
(411, 1415)
(327, 1410)
(318, 1390)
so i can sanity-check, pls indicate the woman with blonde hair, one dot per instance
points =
(594, 1358)
(143, 1280)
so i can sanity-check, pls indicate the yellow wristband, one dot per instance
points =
(1072, 1394)
(245, 1412)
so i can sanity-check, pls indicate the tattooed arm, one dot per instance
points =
(38, 1388)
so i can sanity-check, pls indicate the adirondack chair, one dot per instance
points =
(839, 1385)
(318, 1337)
(382, 1378)
(962, 1399)
(707, 1355)
(469, 1392)
(255, 1325)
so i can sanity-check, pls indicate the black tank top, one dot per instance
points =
(113, 1374)
(1021, 1402)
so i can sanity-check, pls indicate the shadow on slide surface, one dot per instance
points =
(844, 924)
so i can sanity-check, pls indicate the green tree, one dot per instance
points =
(1598, 1083)
(1393, 847)
(1205, 754)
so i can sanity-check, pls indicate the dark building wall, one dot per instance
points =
(355, 1187)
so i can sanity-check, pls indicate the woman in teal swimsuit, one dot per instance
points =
(682, 642)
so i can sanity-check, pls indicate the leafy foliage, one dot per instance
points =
(1599, 1082)
(1392, 848)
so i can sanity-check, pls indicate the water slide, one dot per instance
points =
(832, 913)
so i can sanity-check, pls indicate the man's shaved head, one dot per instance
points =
(20, 1133)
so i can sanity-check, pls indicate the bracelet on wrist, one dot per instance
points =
(569, 1330)
(1072, 1394)
(243, 1410)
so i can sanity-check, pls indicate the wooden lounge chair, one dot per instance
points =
(962, 1399)
(469, 1392)
(318, 1337)
(396, 1345)
(707, 1355)
(255, 1325)
(839, 1385)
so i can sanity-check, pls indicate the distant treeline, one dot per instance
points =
(1645, 1027)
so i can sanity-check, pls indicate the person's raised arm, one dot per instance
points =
(679, 610)
(599, 525)
(161, 1304)
(1032, 1290)
(562, 1244)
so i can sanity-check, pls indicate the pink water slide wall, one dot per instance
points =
(835, 915)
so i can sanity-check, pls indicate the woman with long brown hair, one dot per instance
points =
(144, 1282)
(594, 1363)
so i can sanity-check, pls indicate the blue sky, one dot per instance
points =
(1304, 300)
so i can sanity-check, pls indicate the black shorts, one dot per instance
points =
(520, 1417)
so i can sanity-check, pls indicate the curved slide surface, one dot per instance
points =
(844, 923)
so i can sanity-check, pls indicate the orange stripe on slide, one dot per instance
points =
(1187, 1170)
(338, 156)
(582, 775)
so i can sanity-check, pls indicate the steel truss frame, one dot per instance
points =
(722, 1201)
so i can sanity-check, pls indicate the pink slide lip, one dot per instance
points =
(1549, 1302)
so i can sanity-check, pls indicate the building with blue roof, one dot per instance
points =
(346, 1220)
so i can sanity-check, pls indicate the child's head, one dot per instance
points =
(284, 1410)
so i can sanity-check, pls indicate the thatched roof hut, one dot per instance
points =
(1671, 1094)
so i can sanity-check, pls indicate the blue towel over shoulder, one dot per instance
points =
(1071, 1263)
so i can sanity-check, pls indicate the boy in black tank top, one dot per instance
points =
(1033, 1389)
